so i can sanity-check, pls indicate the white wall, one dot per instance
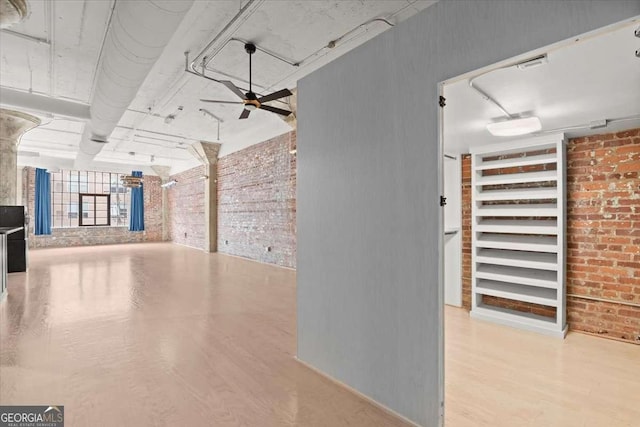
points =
(369, 224)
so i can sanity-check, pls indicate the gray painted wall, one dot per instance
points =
(368, 217)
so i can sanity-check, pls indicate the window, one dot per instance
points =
(95, 208)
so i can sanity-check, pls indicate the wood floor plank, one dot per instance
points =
(163, 335)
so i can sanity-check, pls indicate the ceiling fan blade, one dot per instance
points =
(221, 102)
(244, 114)
(275, 110)
(275, 95)
(233, 88)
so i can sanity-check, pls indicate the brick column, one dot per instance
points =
(207, 153)
(13, 124)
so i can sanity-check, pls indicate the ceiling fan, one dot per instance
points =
(250, 100)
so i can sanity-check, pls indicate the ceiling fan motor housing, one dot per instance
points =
(250, 48)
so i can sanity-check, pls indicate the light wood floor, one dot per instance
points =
(159, 334)
(502, 377)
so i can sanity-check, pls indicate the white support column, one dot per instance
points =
(164, 173)
(13, 124)
(207, 153)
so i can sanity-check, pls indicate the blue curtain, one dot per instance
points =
(43, 202)
(136, 219)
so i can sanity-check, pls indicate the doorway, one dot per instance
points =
(584, 91)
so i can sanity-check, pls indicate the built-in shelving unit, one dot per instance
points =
(518, 232)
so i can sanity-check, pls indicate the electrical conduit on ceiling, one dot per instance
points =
(136, 37)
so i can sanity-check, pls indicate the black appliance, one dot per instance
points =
(14, 216)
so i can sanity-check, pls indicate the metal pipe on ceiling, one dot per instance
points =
(251, 6)
(601, 124)
(50, 12)
(25, 36)
(487, 97)
(136, 37)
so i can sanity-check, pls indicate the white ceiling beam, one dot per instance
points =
(44, 104)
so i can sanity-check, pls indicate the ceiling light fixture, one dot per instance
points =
(130, 181)
(169, 184)
(532, 63)
(515, 126)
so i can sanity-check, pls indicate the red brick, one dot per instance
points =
(257, 202)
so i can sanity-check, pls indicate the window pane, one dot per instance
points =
(94, 208)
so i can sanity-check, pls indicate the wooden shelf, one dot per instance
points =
(517, 246)
(536, 193)
(527, 226)
(528, 321)
(517, 178)
(517, 162)
(542, 296)
(523, 276)
(539, 260)
(522, 210)
(518, 242)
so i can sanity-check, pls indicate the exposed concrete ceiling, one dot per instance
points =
(587, 80)
(55, 52)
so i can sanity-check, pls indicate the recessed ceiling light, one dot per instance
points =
(515, 127)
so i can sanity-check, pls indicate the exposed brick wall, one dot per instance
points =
(88, 236)
(466, 231)
(257, 202)
(603, 235)
(186, 214)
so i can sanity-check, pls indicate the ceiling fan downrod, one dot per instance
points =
(250, 48)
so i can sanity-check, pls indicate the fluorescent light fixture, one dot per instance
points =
(169, 184)
(515, 127)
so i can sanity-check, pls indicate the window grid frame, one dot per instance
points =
(66, 187)
(95, 209)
